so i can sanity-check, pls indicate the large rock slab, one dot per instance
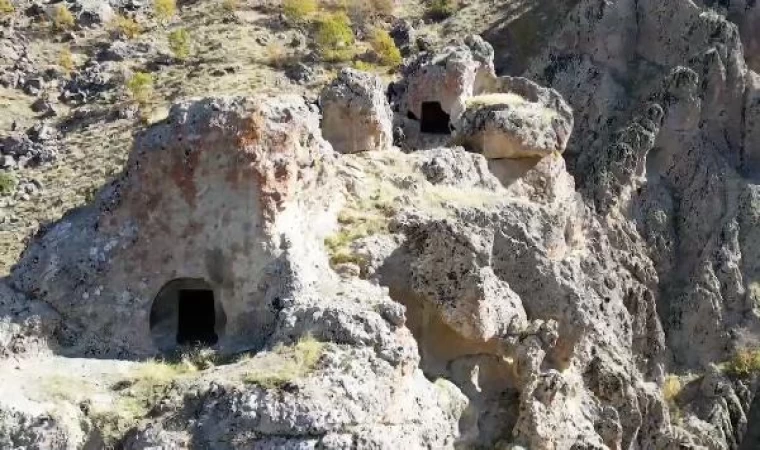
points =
(517, 119)
(356, 116)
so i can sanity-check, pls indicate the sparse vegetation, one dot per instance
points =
(365, 218)
(671, 388)
(334, 37)
(744, 363)
(368, 11)
(66, 60)
(440, 9)
(277, 55)
(385, 48)
(285, 363)
(164, 9)
(230, 6)
(125, 27)
(137, 395)
(140, 87)
(299, 10)
(179, 43)
(8, 183)
(6, 7)
(63, 19)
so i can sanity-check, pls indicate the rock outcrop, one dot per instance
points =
(519, 119)
(554, 264)
(356, 116)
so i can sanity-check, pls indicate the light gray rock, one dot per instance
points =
(514, 118)
(356, 116)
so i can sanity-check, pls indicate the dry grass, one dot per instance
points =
(671, 389)
(745, 363)
(63, 19)
(6, 7)
(122, 27)
(285, 364)
(164, 9)
(299, 10)
(494, 99)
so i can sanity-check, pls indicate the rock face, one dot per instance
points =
(568, 265)
(207, 157)
(519, 120)
(443, 81)
(356, 116)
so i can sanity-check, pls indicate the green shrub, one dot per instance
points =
(385, 48)
(334, 37)
(744, 363)
(299, 10)
(63, 19)
(6, 7)
(179, 43)
(125, 27)
(8, 183)
(140, 87)
(440, 9)
(164, 9)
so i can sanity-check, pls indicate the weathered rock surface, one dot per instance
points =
(356, 116)
(518, 120)
(574, 275)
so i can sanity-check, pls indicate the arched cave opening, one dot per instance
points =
(186, 312)
(434, 119)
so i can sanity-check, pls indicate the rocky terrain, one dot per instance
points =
(510, 224)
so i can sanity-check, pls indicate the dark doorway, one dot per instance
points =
(434, 119)
(196, 317)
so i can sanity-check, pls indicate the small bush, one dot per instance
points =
(230, 5)
(8, 183)
(277, 55)
(179, 43)
(299, 10)
(385, 48)
(440, 9)
(164, 9)
(63, 19)
(368, 11)
(140, 87)
(286, 364)
(335, 37)
(744, 363)
(66, 60)
(125, 27)
(671, 388)
(6, 7)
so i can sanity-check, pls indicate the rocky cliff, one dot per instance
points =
(566, 259)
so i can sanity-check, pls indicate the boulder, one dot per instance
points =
(356, 116)
(519, 120)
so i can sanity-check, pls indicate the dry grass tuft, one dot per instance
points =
(285, 364)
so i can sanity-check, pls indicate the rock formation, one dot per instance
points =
(356, 116)
(555, 264)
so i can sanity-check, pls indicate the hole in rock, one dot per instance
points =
(434, 119)
(195, 324)
(186, 311)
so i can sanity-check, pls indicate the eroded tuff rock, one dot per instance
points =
(461, 296)
(356, 116)
(518, 119)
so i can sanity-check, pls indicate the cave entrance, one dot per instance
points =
(196, 317)
(434, 119)
(186, 311)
